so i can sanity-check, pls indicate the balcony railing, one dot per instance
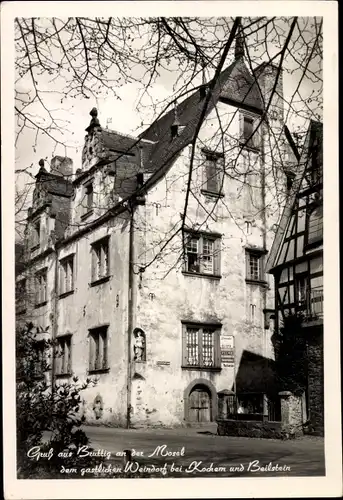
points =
(315, 304)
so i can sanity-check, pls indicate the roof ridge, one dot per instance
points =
(121, 134)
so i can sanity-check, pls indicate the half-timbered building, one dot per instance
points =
(296, 262)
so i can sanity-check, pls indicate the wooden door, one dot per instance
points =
(199, 405)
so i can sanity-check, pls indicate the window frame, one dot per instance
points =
(202, 237)
(88, 208)
(309, 211)
(65, 339)
(215, 329)
(217, 163)
(302, 305)
(96, 261)
(36, 243)
(21, 295)
(98, 341)
(63, 275)
(260, 256)
(40, 353)
(254, 143)
(41, 298)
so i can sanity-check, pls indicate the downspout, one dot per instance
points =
(131, 293)
(54, 323)
(264, 224)
(132, 290)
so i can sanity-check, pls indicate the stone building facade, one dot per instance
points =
(147, 265)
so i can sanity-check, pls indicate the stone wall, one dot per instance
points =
(290, 426)
(244, 428)
(291, 413)
(316, 382)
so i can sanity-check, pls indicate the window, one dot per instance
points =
(36, 232)
(40, 287)
(290, 176)
(100, 260)
(88, 200)
(316, 170)
(254, 266)
(89, 196)
(201, 349)
(301, 290)
(315, 225)
(98, 349)
(252, 312)
(214, 170)
(39, 362)
(20, 295)
(67, 275)
(63, 355)
(202, 254)
(249, 134)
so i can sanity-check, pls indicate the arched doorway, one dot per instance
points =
(200, 404)
(200, 400)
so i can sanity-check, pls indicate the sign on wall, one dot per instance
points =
(227, 351)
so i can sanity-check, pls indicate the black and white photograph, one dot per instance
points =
(168, 183)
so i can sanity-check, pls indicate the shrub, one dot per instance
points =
(48, 414)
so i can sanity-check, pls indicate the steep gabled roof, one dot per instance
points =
(235, 85)
(315, 131)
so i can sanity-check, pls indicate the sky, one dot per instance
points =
(121, 114)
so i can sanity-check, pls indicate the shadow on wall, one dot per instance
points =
(256, 374)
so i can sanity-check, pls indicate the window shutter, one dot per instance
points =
(91, 352)
(68, 348)
(247, 270)
(61, 276)
(184, 345)
(220, 174)
(241, 126)
(94, 264)
(217, 256)
(212, 174)
(217, 353)
(261, 264)
(105, 363)
(200, 347)
(106, 258)
(71, 275)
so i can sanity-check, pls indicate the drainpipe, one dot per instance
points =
(264, 232)
(131, 292)
(54, 323)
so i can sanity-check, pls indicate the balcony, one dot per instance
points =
(314, 305)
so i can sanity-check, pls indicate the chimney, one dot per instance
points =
(176, 123)
(203, 88)
(62, 166)
(266, 74)
(239, 45)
